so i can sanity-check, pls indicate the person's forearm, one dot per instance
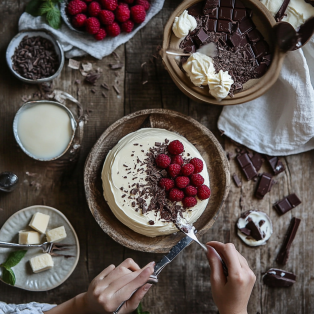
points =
(73, 306)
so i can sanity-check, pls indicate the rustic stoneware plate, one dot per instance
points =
(196, 133)
(264, 22)
(63, 267)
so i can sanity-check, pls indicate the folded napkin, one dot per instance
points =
(281, 122)
(75, 44)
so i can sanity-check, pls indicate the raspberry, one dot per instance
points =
(128, 1)
(203, 192)
(94, 8)
(113, 29)
(79, 20)
(174, 170)
(189, 201)
(166, 184)
(176, 195)
(101, 34)
(190, 190)
(109, 4)
(88, 0)
(196, 179)
(127, 26)
(92, 25)
(106, 17)
(163, 161)
(187, 170)
(177, 160)
(175, 147)
(138, 15)
(144, 3)
(198, 165)
(76, 6)
(182, 182)
(122, 12)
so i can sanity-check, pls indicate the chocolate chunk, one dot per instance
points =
(213, 13)
(151, 222)
(239, 4)
(254, 36)
(225, 13)
(264, 185)
(224, 26)
(190, 49)
(227, 3)
(286, 204)
(281, 12)
(278, 278)
(200, 37)
(261, 48)
(212, 25)
(261, 70)
(256, 232)
(257, 161)
(235, 39)
(239, 14)
(261, 222)
(243, 160)
(196, 9)
(210, 5)
(245, 231)
(283, 255)
(247, 166)
(236, 180)
(275, 164)
(267, 59)
(246, 25)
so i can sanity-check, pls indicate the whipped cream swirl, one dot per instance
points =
(219, 84)
(183, 24)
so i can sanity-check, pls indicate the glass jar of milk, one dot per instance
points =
(44, 129)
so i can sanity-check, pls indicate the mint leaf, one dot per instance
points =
(53, 18)
(45, 8)
(32, 7)
(139, 310)
(13, 259)
(8, 276)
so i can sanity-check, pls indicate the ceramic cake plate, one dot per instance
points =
(63, 267)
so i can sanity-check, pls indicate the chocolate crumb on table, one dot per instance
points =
(284, 252)
(236, 180)
(286, 204)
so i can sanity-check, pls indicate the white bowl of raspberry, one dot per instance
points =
(104, 18)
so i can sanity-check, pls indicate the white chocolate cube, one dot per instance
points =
(40, 222)
(56, 235)
(29, 237)
(41, 263)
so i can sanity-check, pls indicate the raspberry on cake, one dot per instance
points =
(196, 180)
(143, 195)
(187, 170)
(177, 159)
(203, 192)
(198, 164)
(175, 147)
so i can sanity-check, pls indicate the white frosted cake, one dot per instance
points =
(141, 188)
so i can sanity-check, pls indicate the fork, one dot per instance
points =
(47, 247)
(190, 231)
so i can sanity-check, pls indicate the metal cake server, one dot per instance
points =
(190, 231)
(167, 259)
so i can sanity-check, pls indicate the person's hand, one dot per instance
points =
(231, 294)
(115, 285)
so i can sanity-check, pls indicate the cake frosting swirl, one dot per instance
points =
(124, 171)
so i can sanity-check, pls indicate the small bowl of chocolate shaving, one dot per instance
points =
(35, 57)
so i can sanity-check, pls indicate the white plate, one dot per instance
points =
(63, 267)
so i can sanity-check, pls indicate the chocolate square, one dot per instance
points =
(196, 9)
(246, 25)
(260, 70)
(294, 200)
(275, 163)
(255, 231)
(283, 206)
(212, 25)
(238, 4)
(239, 14)
(227, 3)
(213, 13)
(264, 185)
(250, 171)
(235, 39)
(261, 48)
(243, 160)
(224, 26)
(257, 161)
(210, 4)
(225, 13)
(254, 36)
(200, 37)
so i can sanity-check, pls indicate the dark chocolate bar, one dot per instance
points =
(283, 254)
(264, 185)
(247, 166)
(286, 204)
(278, 278)
(257, 161)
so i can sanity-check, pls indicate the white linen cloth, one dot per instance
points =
(30, 308)
(281, 122)
(75, 44)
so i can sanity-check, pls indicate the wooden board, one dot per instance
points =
(184, 285)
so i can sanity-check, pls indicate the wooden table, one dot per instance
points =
(184, 285)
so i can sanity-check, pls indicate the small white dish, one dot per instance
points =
(63, 267)
(16, 41)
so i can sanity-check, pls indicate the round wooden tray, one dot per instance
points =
(197, 134)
